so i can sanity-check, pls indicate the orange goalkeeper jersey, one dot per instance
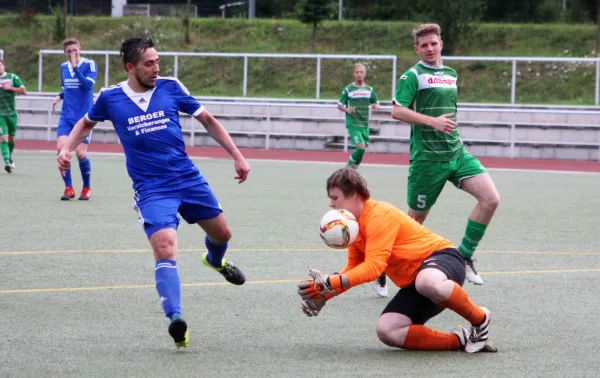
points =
(391, 241)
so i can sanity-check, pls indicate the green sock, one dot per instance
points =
(473, 235)
(5, 152)
(11, 148)
(356, 157)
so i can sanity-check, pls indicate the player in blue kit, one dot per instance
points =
(78, 77)
(145, 113)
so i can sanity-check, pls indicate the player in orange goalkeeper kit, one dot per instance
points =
(429, 270)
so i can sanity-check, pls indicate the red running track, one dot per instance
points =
(337, 156)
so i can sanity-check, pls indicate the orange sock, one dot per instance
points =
(420, 337)
(460, 303)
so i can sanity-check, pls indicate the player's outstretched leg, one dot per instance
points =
(168, 284)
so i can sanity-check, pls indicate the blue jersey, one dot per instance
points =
(148, 127)
(78, 89)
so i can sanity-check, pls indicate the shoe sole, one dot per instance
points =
(489, 347)
(66, 198)
(84, 198)
(178, 329)
(7, 168)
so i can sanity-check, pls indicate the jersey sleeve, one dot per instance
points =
(17, 83)
(98, 112)
(89, 79)
(373, 99)
(186, 103)
(355, 257)
(380, 236)
(406, 90)
(344, 98)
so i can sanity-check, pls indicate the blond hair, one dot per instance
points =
(360, 65)
(425, 29)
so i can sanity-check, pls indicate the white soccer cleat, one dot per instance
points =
(471, 273)
(478, 336)
(380, 286)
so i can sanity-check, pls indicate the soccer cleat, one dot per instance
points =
(231, 273)
(463, 336)
(380, 286)
(68, 194)
(178, 330)
(12, 164)
(478, 336)
(85, 195)
(471, 273)
(8, 168)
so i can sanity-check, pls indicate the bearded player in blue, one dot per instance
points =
(145, 113)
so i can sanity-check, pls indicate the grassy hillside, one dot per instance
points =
(287, 78)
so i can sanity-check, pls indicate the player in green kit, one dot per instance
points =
(355, 102)
(426, 98)
(10, 86)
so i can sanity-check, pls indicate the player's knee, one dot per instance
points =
(390, 334)
(4, 138)
(164, 245)
(430, 289)
(221, 236)
(81, 153)
(491, 202)
(362, 146)
(11, 138)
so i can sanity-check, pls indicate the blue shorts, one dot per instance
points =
(158, 210)
(65, 128)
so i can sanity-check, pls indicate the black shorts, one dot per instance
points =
(417, 307)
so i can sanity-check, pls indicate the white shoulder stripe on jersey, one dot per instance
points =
(92, 65)
(199, 111)
(90, 79)
(177, 80)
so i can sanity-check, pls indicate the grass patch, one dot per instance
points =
(293, 78)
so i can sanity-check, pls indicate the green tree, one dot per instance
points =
(457, 18)
(313, 12)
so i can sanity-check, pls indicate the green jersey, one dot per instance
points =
(8, 105)
(430, 90)
(359, 98)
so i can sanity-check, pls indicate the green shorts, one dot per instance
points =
(426, 179)
(358, 135)
(8, 125)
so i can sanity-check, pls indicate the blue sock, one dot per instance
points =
(86, 170)
(215, 252)
(67, 178)
(168, 287)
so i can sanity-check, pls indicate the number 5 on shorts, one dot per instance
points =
(421, 201)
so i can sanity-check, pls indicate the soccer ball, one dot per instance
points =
(339, 228)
